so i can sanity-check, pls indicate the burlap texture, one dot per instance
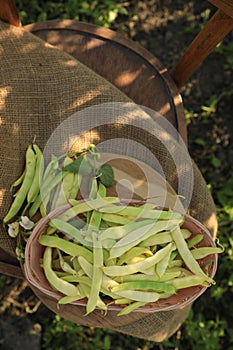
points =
(40, 87)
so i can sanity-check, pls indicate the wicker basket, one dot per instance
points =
(35, 275)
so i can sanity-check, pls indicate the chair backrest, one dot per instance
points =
(219, 25)
(8, 12)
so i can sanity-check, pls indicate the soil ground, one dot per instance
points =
(165, 28)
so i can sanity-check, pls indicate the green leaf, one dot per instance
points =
(106, 175)
(80, 165)
(215, 161)
(200, 141)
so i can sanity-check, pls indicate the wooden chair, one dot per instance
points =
(127, 65)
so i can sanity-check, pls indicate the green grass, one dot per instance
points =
(209, 325)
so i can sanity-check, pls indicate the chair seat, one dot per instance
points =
(121, 61)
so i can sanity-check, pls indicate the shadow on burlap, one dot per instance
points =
(41, 87)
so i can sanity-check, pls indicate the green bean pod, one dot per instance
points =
(68, 179)
(35, 186)
(195, 240)
(18, 181)
(118, 232)
(202, 252)
(145, 297)
(137, 267)
(131, 307)
(35, 206)
(79, 207)
(88, 269)
(162, 265)
(65, 266)
(133, 253)
(96, 275)
(24, 188)
(186, 255)
(50, 170)
(57, 283)
(168, 275)
(117, 219)
(63, 189)
(70, 231)
(76, 185)
(70, 299)
(156, 286)
(135, 237)
(145, 211)
(162, 238)
(66, 246)
(189, 281)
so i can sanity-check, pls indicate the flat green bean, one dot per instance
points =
(83, 207)
(18, 181)
(47, 188)
(50, 170)
(70, 299)
(35, 206)
(54, 196)
(131, 307)
(176, 263)
(106, 281)
(137, 267)
(96, 274)
(195, 240)
(122, 301)
(77, 279)
(65, 266)
(168, 275)
(188, 281)
(162, 265)
(118, 232)
(93, 188)
(186, 255)
(86, 266)
(56, 282)
(145, 285)
(39, 169)
(202, 252)
(162, 238)
(117, 219)
(87, 290)
(70, 231)
(132, 253)
(66, 246)
(136, 295)
(126, 210)
(24, 188)
(67, 182)
(45, 192)
(76, 185)
(145, 211)
(139, 235)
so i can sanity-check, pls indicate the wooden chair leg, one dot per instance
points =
(204, 43)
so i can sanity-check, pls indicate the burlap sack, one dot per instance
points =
(41, 87)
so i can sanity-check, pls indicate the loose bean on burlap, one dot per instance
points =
(41, 87)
